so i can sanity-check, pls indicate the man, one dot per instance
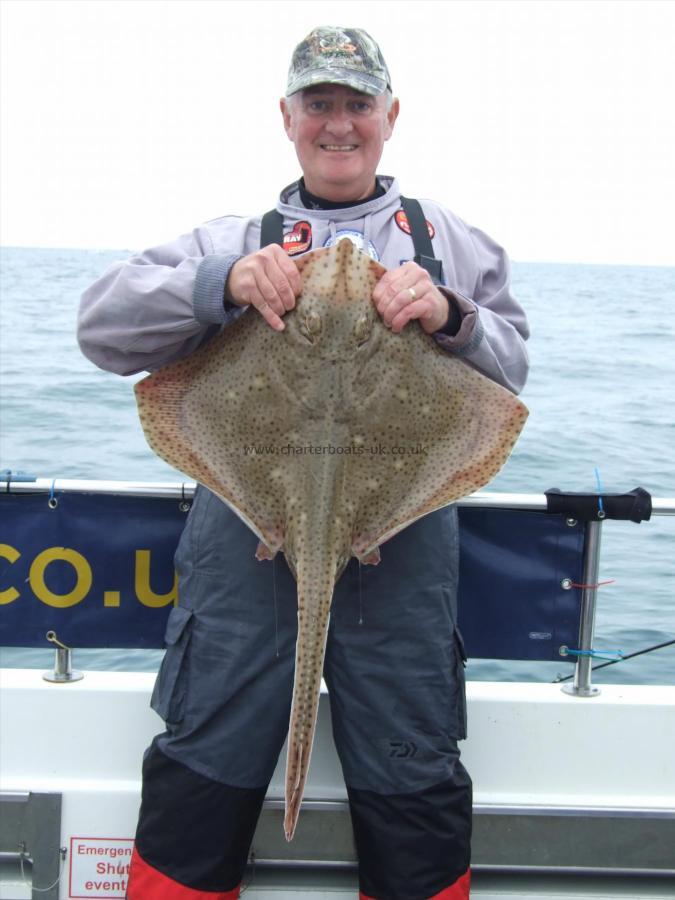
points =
(394, 660)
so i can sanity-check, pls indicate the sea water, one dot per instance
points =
(600, 393)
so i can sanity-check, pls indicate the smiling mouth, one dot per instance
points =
(338, 148)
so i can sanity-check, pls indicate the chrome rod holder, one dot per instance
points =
(63, 672)
(581, 686)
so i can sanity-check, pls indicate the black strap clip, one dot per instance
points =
(433, 266)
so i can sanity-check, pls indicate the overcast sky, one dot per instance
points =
(551, 125)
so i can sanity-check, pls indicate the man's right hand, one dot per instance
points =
(266, 279)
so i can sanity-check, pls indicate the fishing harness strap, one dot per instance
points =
(272, 232)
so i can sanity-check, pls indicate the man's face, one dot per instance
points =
(339, 134)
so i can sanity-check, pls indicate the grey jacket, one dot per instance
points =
(163, 303)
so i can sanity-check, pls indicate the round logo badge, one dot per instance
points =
(298, 239)
(402, 221)
(357, 240)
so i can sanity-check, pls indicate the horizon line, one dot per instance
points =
(543, 262)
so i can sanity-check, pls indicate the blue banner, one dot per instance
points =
(98, 570)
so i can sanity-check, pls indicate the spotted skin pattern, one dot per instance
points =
(399, 429)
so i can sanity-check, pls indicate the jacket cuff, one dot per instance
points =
(464, 330)
(208, 296)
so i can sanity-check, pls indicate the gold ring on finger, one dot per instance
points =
(412, 293)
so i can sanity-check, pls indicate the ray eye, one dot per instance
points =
(362, 330)
(310, 326)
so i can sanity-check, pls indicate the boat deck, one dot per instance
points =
(576, 807)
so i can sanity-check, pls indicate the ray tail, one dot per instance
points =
(314, 599)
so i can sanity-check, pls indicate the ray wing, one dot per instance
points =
(222, 416)
(433, 429)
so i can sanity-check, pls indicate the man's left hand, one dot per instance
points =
(409, 293)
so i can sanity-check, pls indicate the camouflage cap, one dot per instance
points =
(333, 55)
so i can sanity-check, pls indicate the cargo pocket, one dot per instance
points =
(460, 664)
(168, 697)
